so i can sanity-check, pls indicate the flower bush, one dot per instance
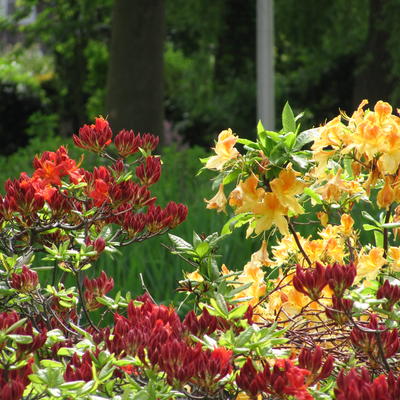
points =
(314, 314)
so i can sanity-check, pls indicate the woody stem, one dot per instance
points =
(296, 239)
(386, 232)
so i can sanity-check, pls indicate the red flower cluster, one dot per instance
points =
(97, 287)
(340, 310)
(79, 369)
(13, 382)
(389, 292)
(311, 360)
(311, 281)
(95, 137)
(365, 337)
(25, 281)
(359, 386)
(127, 143)
(283, 379)
(156, 331)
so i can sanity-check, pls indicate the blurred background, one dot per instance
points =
(185, 70)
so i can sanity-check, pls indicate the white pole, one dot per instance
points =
(265, 64)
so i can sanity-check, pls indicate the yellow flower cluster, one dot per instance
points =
(268, 207)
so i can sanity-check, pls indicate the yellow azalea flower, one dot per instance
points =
(286, 186)
(244, 396)
(369, 264)
(252, 273)
(323, 218)
(224, 149)
(246, 195)
(346, 224)
(269, 212)
(287, 251)
(386, 195)
(262, 255)
(219, 201)
(394, 254)
(315, 249)
(194, 276)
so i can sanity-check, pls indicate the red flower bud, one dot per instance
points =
(149, 172)
(26, 281)
(127, 143)
(340, 277)
(97, 287)
(310, 281)
(94, 137)
(389, 292)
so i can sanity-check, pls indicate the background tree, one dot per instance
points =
(135, 75)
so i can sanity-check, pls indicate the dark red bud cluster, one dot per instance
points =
(149, 142)
(358, 385)
(79, 369)
(13, 382)
(283, 379)
(149, 171)
(60, 204)
(339, 310)
(98, 244)
(206, 324)
(311, 360)
(97, 287)
(389, 292)
(365, 338)
(127, 143)
(95, 137)
(177, 212)
(340, 277)
(38, 340)
(26, 281)
(22, 196)
(310, 281)
(8, 319)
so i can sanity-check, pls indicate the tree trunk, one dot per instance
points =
(372, 82)
(135, 75)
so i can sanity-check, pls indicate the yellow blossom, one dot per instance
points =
(323, 218)
(224, 150)
(386, 195)
(194, 276)
(369, 264)
(262, 255)
(394, 254)
(286, 186)
(346, 223)
(219, 201)
(246, 195)
(269, 212)
(252, 273)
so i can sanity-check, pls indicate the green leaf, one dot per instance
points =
(391, 225)
(368, 227)
(50, 364)
(235, 222)
(260, 127)
(313, 194)
(378, 239)
(238, 312)
(202, 249)
(232, 176)
(22, 339)
(289, 140)
(288, 120)
(179, 243)
(248, 143)
(305, 137)
(369, 217)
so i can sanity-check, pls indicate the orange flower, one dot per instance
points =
(269, 212)
(386, 195)
(369, 264)
(218, 202)
(394, 254)
(262, 255)
(286, 186)
(246, 195)
(347, 223)
(224, 149)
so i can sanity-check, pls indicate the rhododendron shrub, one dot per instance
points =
(313, 314)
